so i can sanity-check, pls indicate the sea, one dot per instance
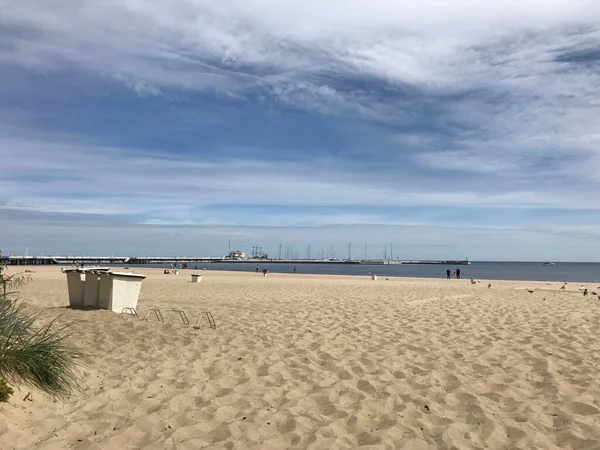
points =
(525, 271)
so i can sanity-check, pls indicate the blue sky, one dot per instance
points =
(449, 128)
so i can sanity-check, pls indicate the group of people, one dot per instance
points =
(264, 271)
(456, 273)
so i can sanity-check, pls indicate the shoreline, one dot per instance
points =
(305, 275)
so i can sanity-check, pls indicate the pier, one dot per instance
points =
(12, 260)
(144, 260)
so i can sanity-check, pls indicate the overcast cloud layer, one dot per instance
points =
(207, 120)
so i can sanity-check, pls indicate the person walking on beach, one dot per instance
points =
(257, 268)
(457, 273)
(294, 269)
(447, 274)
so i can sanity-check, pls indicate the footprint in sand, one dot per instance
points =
(388, 421)
(344, 375)
(515, 434)
(224, 392)
(287, 427)
(263, 370)
(399, 375)
(582, 409)
(366, 387)
(357, 370)
(365, 438)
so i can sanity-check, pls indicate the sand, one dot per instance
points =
(323, 362)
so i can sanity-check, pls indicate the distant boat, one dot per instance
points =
(548, 263)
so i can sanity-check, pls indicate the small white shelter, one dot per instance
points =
(81, 291)
(98, 287)
(196, 278)
(119, 290)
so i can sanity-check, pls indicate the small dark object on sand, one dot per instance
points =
(531, 291)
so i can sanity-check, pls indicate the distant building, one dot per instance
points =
(236, 255)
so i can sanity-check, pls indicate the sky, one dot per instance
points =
(448, 128)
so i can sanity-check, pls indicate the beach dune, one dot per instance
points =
(322, 362)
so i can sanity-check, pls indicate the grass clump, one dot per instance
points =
(37, 356)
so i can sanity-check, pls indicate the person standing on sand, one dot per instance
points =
(457, 273)
(257, 268)
(447, 274)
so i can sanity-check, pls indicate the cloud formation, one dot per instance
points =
(163, 112)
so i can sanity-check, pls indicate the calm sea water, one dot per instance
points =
(533, 271)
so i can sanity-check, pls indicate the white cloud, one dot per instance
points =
(439, 46)
(463, 161)
(173, 42)
(163, 188)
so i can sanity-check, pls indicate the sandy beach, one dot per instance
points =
(323, 362)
